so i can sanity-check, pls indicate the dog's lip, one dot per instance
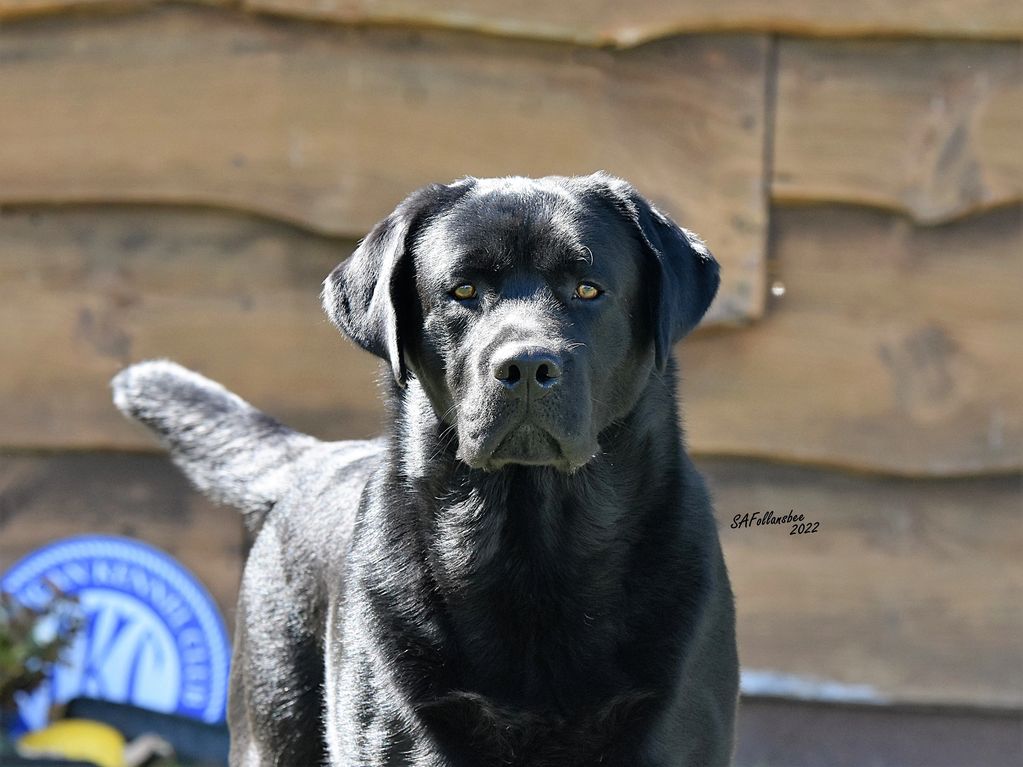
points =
(506, 450)
(487, 453)
(497, 436)
(569, 455)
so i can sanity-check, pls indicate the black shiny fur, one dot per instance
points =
(498, 581)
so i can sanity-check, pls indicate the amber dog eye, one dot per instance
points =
(586, 291)
(464, 292)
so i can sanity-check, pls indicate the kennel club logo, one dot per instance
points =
(152, 635)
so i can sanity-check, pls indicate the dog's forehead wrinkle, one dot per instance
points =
(506, 219)
(557, 186)
(502, 224)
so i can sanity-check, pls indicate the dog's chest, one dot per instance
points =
(475, 727)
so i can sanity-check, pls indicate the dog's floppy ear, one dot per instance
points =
(369, 296)
(687, 272)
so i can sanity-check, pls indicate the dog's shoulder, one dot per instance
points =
(307, 534)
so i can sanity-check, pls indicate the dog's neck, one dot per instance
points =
(548, 517)
(537, 571)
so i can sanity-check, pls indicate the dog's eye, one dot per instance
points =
(464, 292)
(587, 291)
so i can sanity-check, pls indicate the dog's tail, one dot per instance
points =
(229, 450)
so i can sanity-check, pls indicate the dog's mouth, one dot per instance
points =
(527, 444)
(522, 438)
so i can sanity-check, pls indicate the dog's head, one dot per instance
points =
(531, 312)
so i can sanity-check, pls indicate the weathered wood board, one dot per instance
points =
(43, 498)
(912, 589)
(330, 127)
(790, 733)
(604, 22)
(892, 349)
(934, 129)
(84, 292)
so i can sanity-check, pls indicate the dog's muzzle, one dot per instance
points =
(530, 409)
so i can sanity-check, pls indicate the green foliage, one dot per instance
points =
(32, 641)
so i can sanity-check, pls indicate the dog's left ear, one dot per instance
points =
(369, 296)
(689, 277)
(687, 272)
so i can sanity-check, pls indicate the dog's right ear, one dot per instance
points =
(368, 297)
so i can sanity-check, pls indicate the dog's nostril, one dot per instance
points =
(508, 374)
(548, 373)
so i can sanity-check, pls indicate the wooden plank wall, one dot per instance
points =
(176, 180)
(605, 22)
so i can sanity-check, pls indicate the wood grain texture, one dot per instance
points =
(16, 9)
(606, 22)
(603, 22)
(788, 733)
(85, 292)
(894, 348)
(43, 498)
(13, 10)
(934, 129)
(910, 588)
(331, 127)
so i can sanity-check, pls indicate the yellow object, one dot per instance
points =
(79, 739)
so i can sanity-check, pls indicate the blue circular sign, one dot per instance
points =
(152, 636)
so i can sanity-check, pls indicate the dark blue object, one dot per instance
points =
(192, 740)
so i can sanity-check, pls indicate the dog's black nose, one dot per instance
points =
(532, 371)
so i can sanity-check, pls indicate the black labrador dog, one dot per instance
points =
(526, 570)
